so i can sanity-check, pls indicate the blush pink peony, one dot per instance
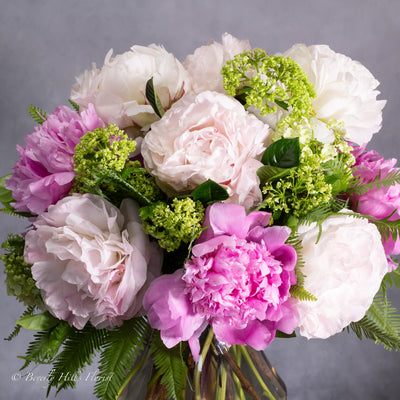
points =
(237, 280)
(208, 136)
(45, 170)
(91, 260)
(205, 64)
(118, 89)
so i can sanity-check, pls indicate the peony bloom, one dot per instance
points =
(340, 273)
(117, 90)
(380, 203)
(91, 260)
(205, 64)
(345, 89)
(237, 280)
(208, 136)
(45, 171)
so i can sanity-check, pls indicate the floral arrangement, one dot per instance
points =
(183, 215)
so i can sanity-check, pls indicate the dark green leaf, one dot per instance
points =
(210, 192)
(5, 195)
(282, 104)
(269, 173)
(38, 322)
(280, 334)
(153, 98)
(284, 153)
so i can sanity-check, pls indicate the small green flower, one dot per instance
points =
(175, 223)
(104, 149)
(19, 279)
(266, 82)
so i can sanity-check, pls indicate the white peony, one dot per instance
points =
(205, 64)
(208, 136)
(345, 90)
(92, 261)
(344, 268)
(117, 90)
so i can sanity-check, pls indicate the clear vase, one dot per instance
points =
(237, 373)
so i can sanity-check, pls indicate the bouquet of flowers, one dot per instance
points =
(183, 215)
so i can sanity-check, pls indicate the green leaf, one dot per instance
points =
(170, 365)
(46, 345)
(5, 195)
(284, 153)
(38, 322)
(153, 98)
(122, 350)
(74, 105)
(381, 323)
(302, 294)
(210, 192)
(269, 173)
(359, 186)
(38, 115)
(284, 335)
(78, 352)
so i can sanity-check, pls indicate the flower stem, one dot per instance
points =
(199, 364)
(265, 388)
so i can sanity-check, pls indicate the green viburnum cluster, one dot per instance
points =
(172, 224)
(267, 81)
(19, 279)
(324, 171)
(102, 165)
(301, 190)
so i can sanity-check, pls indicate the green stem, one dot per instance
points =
(236, 380)
(199, 364)
(221, 388)
(134, 371)
(265, 388)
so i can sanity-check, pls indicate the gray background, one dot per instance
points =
(44, 44)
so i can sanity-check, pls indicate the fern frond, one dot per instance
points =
(359, 186)
(170, 366)
(322, 212)
(77, 353)
(302, 294)
(295, 242)
(386, 228)
(381, 323)
(29, 311)
(38, 115)
(338, 174)
(74, 105)
(392, 279)
(121, 351)
(44, 348)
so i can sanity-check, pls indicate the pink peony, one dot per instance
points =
(237, 280)
(205, 64)
(208, 136)
(91, 260)
(380, 203)
(45, 171)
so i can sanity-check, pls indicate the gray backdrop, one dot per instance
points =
(44, 44)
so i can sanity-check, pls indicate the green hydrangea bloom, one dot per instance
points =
(175, 223)
(19, 279)
(267, 81)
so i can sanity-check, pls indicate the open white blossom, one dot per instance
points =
(117, 90)
(345, 90)
(343, 268)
